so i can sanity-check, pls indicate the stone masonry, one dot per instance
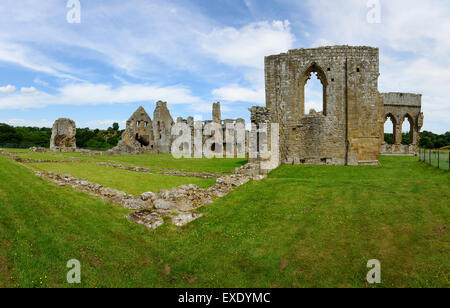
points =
(138, 136)
(348, 130)
(63, 136)
(144, 135)
(401, 107)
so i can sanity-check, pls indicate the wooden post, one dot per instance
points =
(438, 157)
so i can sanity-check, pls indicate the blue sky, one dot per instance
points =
(125, 54)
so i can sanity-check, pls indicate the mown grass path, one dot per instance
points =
(304, 226)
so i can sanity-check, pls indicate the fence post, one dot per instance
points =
(438, 157)
(429, 157)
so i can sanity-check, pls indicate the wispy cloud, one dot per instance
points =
(92, 94)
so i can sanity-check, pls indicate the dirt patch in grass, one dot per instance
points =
(439, 231)
(4, 271)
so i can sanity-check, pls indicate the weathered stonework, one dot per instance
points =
(162, 128)
(138, 136)
(347, 131)
(401, 107)
(217, 116)
(142, 135)
(63, 136)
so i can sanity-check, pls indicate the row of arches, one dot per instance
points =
(395, 132)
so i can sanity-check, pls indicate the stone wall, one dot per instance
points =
(401, 107)
(63, 137)
(138, 135)
(339, 134)
(349, 130)
(162, 127)
(142, 135)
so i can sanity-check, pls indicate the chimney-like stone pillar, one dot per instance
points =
(216, 115)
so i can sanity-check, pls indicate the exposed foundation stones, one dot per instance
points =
(179, 204)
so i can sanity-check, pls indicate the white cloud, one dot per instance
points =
(413, 42)
(7, 89)
(235, 93)
(29, 90)
(28, 123)
(91, 94)
(103, 124)
(249, 45)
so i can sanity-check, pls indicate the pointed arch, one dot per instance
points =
(393, 120)
(305, 76)
(411, 127)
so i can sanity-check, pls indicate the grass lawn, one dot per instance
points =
(167, 161)
(304, 226)
(130, 182)
(41, 156)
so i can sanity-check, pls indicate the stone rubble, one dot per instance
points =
(180, 173)
(29, 160)
(179, 204)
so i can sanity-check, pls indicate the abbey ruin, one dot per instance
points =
(144, 135)
(350, 129)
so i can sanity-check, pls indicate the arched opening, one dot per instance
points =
(314, 84)
(389, 129)
(144, 141)
(407, 130)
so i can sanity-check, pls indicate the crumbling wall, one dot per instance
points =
(162, 128)
(401, 107)
(347, 131)
(138, 135)
(63, 137)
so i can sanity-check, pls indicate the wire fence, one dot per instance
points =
(436, 158)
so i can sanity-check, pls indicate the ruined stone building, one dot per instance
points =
(63, 136)
(138, 136)
(144, 135)
(399, 108)
(349, 130)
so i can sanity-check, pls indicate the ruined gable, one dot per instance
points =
(138, 135)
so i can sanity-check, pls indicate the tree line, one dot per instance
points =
(25, 137)
(428, 140)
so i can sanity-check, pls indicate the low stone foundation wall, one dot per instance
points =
(179, 204)
(399, 149)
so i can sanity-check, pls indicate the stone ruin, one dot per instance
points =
(138, 136)
(142, 135)
(350, 129)
(63, 136)
(399, 107)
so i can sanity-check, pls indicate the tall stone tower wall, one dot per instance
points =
(340, 134)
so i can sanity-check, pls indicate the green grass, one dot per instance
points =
(304, 226)
(437, 159)
(41, 156)
(16, 150)
(167, 161)
(130, 182)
